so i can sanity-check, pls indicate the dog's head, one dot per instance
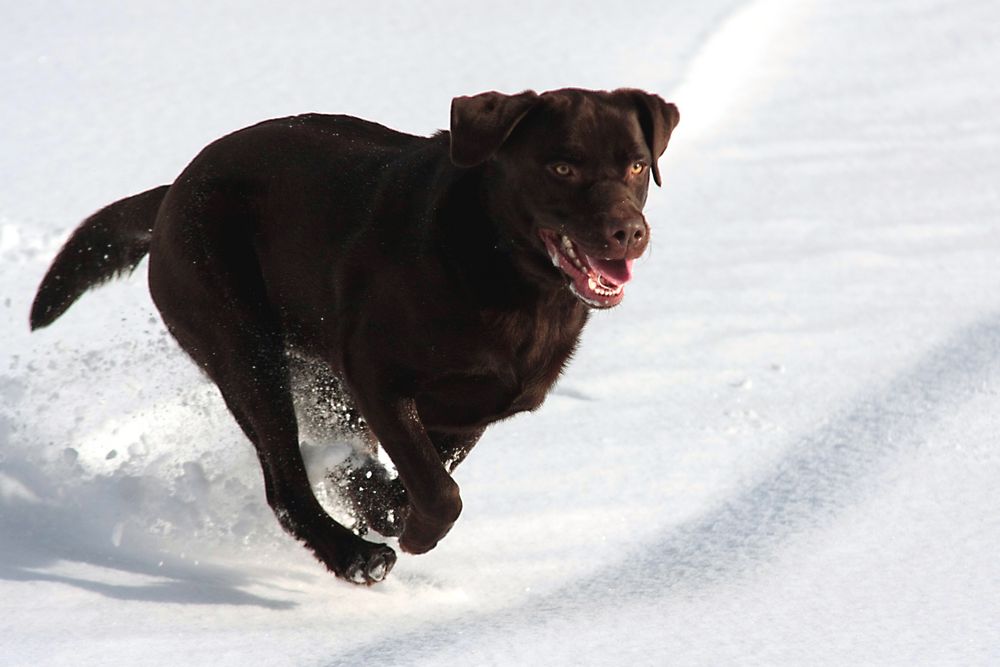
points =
(572, 170)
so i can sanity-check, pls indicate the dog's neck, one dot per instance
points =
(479, 237)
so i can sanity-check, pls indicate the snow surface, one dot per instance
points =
(781, 449)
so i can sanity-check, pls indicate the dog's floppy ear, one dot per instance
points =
(481, 123)
(658, 119)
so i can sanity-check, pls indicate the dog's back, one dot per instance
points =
(308, 205)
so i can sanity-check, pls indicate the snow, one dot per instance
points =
(781, 448)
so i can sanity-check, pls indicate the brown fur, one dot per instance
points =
(410, 268)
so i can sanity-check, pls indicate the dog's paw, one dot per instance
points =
(370, 567)
(415, 546)
(420, 536)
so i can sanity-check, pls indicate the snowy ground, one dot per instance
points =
(782, 448)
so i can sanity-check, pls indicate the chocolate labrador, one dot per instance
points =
(440, 282)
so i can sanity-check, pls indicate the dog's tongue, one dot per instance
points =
(617, 271)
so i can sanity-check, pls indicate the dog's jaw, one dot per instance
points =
(598, 283)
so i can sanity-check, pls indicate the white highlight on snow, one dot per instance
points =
(117, 533)
(723, 72)
(13, 489)
(103, 449)
(10, 237)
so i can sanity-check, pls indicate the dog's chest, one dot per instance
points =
(507, 367)
(536, 350)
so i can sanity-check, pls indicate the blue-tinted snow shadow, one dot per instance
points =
(40, 532)
(821, 474)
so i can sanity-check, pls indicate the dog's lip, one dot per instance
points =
(598, 282)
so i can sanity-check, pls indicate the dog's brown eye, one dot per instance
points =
(562, 169)
(637, 168)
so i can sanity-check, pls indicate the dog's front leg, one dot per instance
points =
(435, 502)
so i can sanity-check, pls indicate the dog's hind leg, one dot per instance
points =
(217, 310)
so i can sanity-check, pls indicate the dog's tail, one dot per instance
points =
(107, 244)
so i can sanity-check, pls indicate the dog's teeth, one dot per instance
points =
(591, 284)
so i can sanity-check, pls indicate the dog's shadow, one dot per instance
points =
(173, 583)
(44, 538)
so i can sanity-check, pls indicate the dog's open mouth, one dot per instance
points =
(599, 283)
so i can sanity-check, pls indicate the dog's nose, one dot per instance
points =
(628, 235)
